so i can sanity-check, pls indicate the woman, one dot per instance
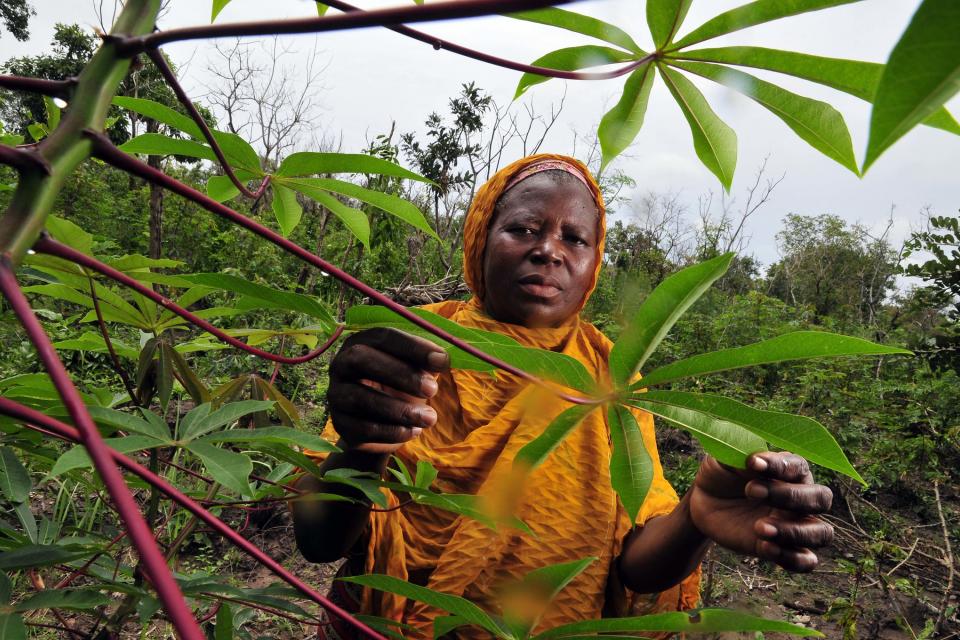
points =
(533, 243)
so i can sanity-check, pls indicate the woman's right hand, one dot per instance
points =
(380, 382)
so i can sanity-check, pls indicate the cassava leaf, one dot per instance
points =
(14, 479)
(816, 122)
(218, 6)
(751, 14)
(536, 451)
(354, 220)
(230, 469)
(623, 122)
(713, 140)
(799, 434)
(275, 435)
(579, 23)
(571, 59)
(451, 604)
(631, 467)
(658, 313)
(77, 458)
(286, 208)
(857, 78)
(799, 345)
(664, 18)
(308, 163)
(922, 73)
(225, 415)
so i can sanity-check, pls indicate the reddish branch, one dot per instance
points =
(191, 108)
(449, 10)
(453, 47)
(24, 159)
(53, 88)
(102, 457)
(48, 245)
(30, 417)
(106, 151)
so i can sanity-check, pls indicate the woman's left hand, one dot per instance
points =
(768, 510)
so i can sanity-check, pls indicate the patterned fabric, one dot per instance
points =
(568, 501)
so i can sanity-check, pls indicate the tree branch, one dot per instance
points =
(54, 88)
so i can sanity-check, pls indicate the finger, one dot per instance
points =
(367, 404)
(799, 560)
(361, 361)
(359, 433)
(789, 496)
(803, 532)
(781, 465)
(417, 351)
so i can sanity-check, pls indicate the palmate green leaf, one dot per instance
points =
(857, 78)
(367, 483)
(727, 442)
(230, 469)
(204, 423)
(161, 113)
(664, 18)
(579, 23)
(14, 480)
(658, 313)
(74, 599)
(395, 206)
(455, 605)
(752, 14)
(714, 141)
(816, 122)
(114, 308)
(801, 435)
(12, 627)
(322, 9)
(150, 425)
(93, 342)
(273, 435)
(623, 122)
(218, 6)
(557, 367)
(571, 59)
(221, 188)
(354, 220)
(536, 451)
(799, 345)
(40, 555)
(77, 458)
(697, 621)
(308, 163)
(631, 468)
(271, 298)
(223, 630)
(286, 208)
(922, 73)
(157, 144)
(545, 583)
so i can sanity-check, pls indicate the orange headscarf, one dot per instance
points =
(481, 211)
(567, 501)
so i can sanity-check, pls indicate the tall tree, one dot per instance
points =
(16, 17)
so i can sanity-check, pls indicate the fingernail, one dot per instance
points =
(757, 490)
(759, 464)
(428, 417)
(416, 431)
(767, 530)
(428, 386)
(437, 360)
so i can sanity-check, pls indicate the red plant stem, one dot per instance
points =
(106, 151)
(213, 611)
(53, 88)
(117, 366)
(100, 454)
(31, 418)
(451, 9)
(171, 78)
(276, 366)
(438, 43)
(23, 159)
(46, 244)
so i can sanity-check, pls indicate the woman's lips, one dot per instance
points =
(540, 287)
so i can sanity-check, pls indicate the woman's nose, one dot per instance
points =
(547, 250)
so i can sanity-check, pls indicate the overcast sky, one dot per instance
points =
(374, 77)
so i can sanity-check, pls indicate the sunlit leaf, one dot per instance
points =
(225, 415)
(579, 23)
(308, 163)
(631, 467)
(276, 435)
(77, 458)
(751, 14)
(922, 73)
(623, 122)
(799, 434)
(571, 59)
(714, 141)
(354, 220)
(799, 345)
(814, 121)
(658, 313)
(221, 188)
(218, 6)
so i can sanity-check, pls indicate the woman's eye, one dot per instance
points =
(523, 231)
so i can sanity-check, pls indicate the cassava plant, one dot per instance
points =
(203, 440)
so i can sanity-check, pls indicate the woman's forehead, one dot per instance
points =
(534, 193)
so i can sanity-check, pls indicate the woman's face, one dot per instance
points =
(541, 252)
